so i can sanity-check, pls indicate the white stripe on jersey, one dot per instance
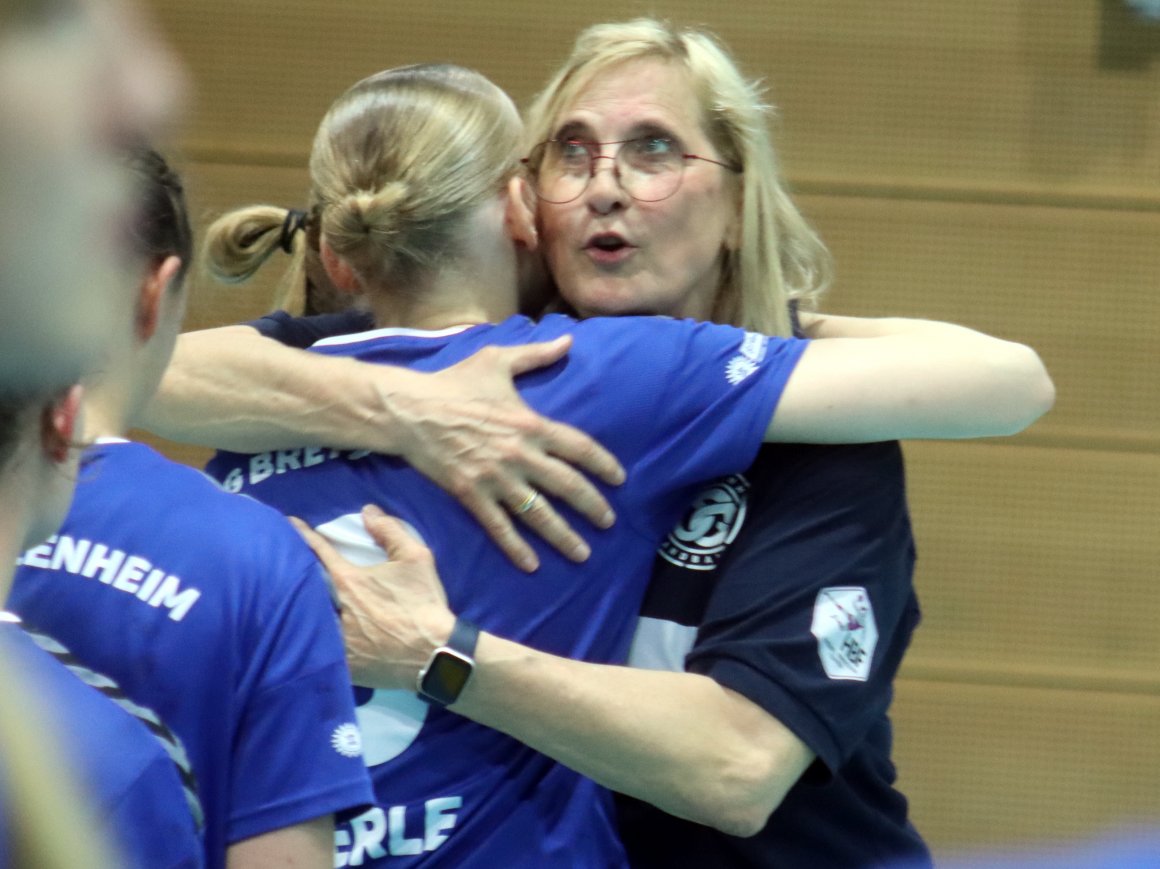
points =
(659, 644)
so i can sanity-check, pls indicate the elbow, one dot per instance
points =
(1028, 394)
(739, 800)
(740, 821)
(1039, 388)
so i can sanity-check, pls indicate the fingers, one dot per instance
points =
(327, 554)
(529, 357)
(540, 516)
(564, 441)
(392, 536)
(582, 451)
(498, 524)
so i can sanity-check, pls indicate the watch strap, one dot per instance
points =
(450, 666)
(463, 639)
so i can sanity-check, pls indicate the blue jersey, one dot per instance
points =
(136, 795)
(678, 403)
(209, 609)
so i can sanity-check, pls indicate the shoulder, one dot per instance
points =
(303, 331)
(112, 747)
(137, 495)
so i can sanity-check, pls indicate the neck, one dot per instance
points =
(456, 296)
(11, 540)
(480, 285)
(16, 519)
(108, 408)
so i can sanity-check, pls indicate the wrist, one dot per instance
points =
(450, 666)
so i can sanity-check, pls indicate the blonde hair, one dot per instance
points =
(401, 159)
(779, 257)
(241, 241)
(397, 164)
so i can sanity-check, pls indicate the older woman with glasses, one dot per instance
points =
(736, 755)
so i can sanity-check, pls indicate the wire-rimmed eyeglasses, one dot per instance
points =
(649, 168)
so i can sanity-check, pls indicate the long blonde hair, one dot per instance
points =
(779, 258)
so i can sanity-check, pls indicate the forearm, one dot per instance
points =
(309, 845)
(677, 740)
(888, 379)
(233, 389)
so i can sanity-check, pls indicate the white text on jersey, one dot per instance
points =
(128, 573)
(375, 834)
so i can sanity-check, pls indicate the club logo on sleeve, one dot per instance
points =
(846, 632)
(709, 526)
(749, 356)
(347, 740)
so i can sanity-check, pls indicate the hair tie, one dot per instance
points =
(795, 321)
(294, 221)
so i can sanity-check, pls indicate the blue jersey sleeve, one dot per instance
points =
(298, 682)
(701, 395)
(156, 840)
(131, 781)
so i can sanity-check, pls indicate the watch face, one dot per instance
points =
(446, 676)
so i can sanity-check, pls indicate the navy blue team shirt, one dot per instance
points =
(792, 585)
(209, 609)
(691, 401)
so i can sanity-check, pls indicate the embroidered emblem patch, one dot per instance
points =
(709, 526)
(347, 740)
(750, 354)
(844, 626)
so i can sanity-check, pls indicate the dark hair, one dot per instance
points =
(161, 228)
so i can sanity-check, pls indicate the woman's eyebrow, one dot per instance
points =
(653, 128)
(574, 130)
(580, 131)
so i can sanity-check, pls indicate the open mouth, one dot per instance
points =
(607, 242)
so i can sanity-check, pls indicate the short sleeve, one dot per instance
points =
(298, 682)
(814, 605)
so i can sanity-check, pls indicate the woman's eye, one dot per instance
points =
(572, 151)
(652, 149)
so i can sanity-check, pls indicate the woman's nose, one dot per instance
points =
(605, 191)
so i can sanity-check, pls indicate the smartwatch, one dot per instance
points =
(445, 676)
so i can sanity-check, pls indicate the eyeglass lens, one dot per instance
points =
(649, 168)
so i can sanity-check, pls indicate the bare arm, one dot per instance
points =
(728, 765)
(309, 845)
(888, 379)
(465, 428)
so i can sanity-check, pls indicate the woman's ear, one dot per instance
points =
(520, 216)
(341, 275)
(153, 289)
(59, 422)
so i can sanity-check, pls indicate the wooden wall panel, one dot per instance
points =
(214, 189)
(1080, 285)
(1037, 564)
(992, 94)
(998, 765)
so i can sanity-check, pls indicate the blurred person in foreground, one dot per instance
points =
(83, 783)
(206, 608)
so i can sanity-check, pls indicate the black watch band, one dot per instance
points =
(445, 676)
